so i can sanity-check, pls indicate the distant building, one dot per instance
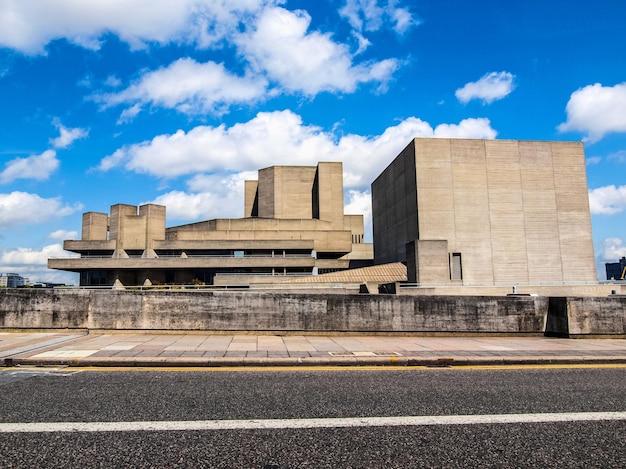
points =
(294, 225)
(485, 212)
(11, 280)
(615, 270)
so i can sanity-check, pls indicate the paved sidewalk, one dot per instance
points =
(197, 349)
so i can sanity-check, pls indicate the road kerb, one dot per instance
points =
(413, 361)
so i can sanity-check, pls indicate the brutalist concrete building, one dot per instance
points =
(294, 225)
(485, 212)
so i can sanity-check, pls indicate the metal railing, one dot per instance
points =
(506, 284)
(192, 287)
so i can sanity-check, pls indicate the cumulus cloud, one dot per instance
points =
(189, 87)
(187, 206)
(66, 135)
(29, 26)
(32, 264)
(467, 128)
(308, 62)
(275, 45)
(613, 249)
(29, 256)
(607, 200)
(210, 196)
(38, 167)
(596, 110)
(20, 208)
(280, 137)
(373, 15)
(491, 87)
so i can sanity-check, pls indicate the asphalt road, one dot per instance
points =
(265, 396)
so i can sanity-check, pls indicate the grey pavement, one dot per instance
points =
(83, 348)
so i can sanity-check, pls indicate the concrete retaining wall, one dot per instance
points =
(252, 311)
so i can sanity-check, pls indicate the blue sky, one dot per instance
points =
(136, 101)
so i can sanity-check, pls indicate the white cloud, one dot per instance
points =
(217, 195)
(28, 26)
(363, 14)
(363, 42)
(29, 256)
(38, 167)
(113, 82)
(63, 234)
(607, 200)
(19, 208)
(596, 110)
(360, 203)
(618, 156)
(189, 87)
(491, 87)
(372, 15)
(309, 62)
(402, 19)
(32, 264)
(66, 135)
(129, 114)
(274, 43)
(467, 128)
(593, 160)
(275, 138)
(185, 206)
(613, 249)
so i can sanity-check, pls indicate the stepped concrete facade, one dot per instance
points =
(294, 225)
(485, 212)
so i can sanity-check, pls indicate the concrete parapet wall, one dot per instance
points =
(571, 317)
(276, 312)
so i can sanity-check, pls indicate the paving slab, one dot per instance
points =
(152, 349)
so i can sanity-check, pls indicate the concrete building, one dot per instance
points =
(11, 280)
(485, 212)
(294, 225)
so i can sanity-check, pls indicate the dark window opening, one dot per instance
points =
(93, 278)
(315, 197)
(456, 268)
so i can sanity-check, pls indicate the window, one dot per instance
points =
(93, 278)
(456, 270)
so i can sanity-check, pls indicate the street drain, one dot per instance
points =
(440, 363)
